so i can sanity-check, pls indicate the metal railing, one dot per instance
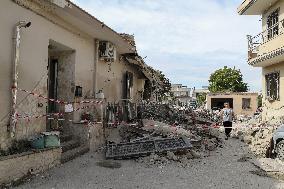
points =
(265, 36)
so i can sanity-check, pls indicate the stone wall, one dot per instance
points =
(15, 167)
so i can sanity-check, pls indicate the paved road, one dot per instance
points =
(221, 170)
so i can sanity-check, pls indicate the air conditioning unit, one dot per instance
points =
(107, 51)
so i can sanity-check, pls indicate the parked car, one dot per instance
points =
(276, 148)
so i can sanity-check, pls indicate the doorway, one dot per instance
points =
(218, 103)
(52, 86)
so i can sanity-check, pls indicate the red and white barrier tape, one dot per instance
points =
(26, 116)
(60, 101)
(237, 127)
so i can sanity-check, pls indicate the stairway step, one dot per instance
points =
(65, 138)
(74, 153)
(70, 145)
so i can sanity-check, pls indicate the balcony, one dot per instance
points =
(267, 48)
(255, 7)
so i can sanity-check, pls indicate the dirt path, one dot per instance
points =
(221, 170)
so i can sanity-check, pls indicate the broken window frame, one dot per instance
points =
(273, 24)
(272, 91)
(246, 103)
(128, 86)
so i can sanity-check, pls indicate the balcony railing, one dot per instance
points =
(255, 42)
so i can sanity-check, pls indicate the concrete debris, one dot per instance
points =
(211, 144)
(205, 116)
(172, 156)
(153, 160)
(166, 113)
(167, 130)
(164, 122)
(269, 165)
(255, 133)
(161, 160)
(194, 154)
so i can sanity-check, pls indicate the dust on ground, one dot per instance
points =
(225, 168)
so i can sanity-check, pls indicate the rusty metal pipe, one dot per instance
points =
(16, 59)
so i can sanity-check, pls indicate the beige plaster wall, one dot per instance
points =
(110, 79)
(274, 108)
(237, 100)
(276, 42)
(33, 64)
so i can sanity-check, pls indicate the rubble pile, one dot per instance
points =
(256, 134)
(166, 124)
(258, 139)
(161, 160)
(168, 130)
(206, 115)
(166, 113)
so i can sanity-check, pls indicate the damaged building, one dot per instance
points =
(181, 93)
(265, 50)
(61, 67)
(242, 103)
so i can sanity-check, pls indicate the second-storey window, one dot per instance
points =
(273, 24)
(272, 85)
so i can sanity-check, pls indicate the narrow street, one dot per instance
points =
(143, 94)
(220, 170)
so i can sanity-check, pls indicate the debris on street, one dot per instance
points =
(165, 133)
(146, 147)
(256, 133)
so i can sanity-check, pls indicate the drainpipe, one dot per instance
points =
(95, 74)
(16, 59)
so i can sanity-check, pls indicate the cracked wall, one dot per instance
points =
(111, 77)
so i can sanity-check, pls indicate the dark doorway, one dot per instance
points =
(218, 103)
(128, 85)
(52, 84)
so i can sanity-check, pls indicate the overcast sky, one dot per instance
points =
(186, 39)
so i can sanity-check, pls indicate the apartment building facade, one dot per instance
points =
(181, 93)
(266, 50)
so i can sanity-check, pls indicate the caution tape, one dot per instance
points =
(238, 127)
(26, 116)
(60, 101)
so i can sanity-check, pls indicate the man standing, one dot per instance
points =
(227, 115)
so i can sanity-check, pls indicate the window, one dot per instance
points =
(272, 85)
(246, 103)
(273, 24)
(128, 85)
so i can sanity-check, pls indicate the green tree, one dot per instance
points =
(201, 98)
(166, 85)
(161, 85)
(227, 80)
(259, 101)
